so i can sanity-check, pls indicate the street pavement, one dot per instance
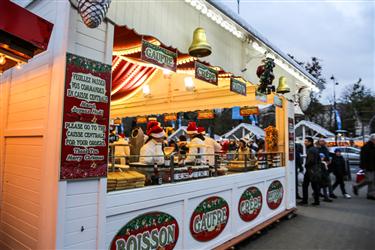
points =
(342, 224)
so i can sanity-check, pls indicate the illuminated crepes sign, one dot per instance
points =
(155, 230)
(209, 218)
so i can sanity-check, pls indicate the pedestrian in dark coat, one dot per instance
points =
(326, 180)
(313, 172)
(338, 168)
(367, 162)
(298, 165)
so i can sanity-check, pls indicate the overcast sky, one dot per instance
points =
(341, 33)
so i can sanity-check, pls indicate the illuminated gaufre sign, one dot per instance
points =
(209, 218)
(247, 111)
(155, 230)
(159, 56)
(237, 86)
(275, 194)
(204, 73)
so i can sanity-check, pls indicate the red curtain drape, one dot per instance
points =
(127, 77)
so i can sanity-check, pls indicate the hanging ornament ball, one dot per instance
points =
(304, 98)
(93, 11)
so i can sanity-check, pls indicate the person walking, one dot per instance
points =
(338, 168)
(325, 180)
(367, 162)
(313, 172)
(298, 166)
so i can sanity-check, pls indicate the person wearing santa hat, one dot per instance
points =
(152, 151)
(211, 146)
(196, 145)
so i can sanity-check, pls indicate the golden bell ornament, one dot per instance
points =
(199, 47)
(283, 86)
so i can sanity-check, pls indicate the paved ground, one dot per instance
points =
(343, 224)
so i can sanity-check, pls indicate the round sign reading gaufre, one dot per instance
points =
(209, 218)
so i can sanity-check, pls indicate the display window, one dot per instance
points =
(177, 118)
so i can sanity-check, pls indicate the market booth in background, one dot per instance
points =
(137, 63)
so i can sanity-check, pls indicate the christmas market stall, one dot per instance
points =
(120, 78)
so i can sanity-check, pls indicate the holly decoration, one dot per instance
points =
(266, 76)
(88, 64)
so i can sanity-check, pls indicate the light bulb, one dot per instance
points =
(189, 83)
(19, 65)
(3, 60)
(166, 72)
(146, 90)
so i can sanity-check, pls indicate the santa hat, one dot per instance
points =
(154, 130)
(201, 130)
(192, 128)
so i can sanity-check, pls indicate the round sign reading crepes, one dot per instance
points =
(155, 230)
(250, 204)
(209, 218)
(275, 194)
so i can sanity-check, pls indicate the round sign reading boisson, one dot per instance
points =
(275, 194)
(209, 218)
(155, 230)
(250, 204)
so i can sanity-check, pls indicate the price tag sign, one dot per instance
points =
(206, 114)
(247, 111)
(170, 117)
(141, 119)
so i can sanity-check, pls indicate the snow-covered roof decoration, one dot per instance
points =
(243, 130)
(315, 127)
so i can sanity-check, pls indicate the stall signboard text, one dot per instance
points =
(237, 86)
(205, 73)
(275, 194)
(206, 114)
(247, 111)
(84, 148)
(278, 101)
(155, 230)
(170, 117)
(141, 119)
(159, 56)
(209, 218)
(291, 138)
(250, 204)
